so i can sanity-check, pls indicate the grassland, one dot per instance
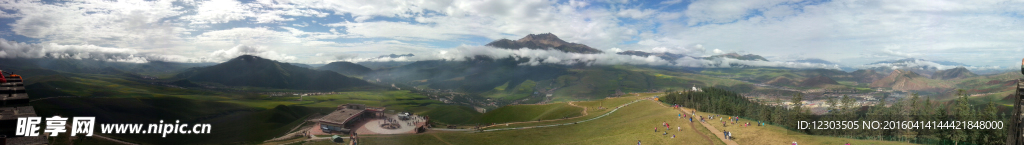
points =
(626, 126)
(231, 123)
(603, 81)
(517, 92)
(772, 134)
(453, 114)
(517, 113)
(594, 108)
(753, 74)
(236, 117)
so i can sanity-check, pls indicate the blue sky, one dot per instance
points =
(848, 32)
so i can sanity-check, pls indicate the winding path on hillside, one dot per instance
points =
(571, 123)
(716, 132)
(701, 134)
(570, 104)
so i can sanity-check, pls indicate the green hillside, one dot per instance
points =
(626, 126)
(227, 119)
(517, 113)
(453, 114)
(507, 92)
(254, 71)
(346, 68)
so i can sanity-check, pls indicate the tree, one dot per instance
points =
(797, 113)
(992, 136)
(961, 112)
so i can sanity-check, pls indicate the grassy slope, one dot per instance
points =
(592, 111)
(753, 74)
(230, 122)
(121, 99)
(523, 90)
(599, 82)
(517, 113)
(773, 134)
(631, 123)
(626, 126)
(453, 114)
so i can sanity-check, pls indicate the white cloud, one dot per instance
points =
(304, 24)
(233, 52)
(563, 58)
(848, 31)
(854, 32)
(918, 63)
(498, 19)
(670, 2)
(247, 36)
(12, 49)
(635, 13)
(722, 11)
(223, 11)
(132, 23)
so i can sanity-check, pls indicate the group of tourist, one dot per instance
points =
(727, 134)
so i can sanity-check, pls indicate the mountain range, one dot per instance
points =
(346, 68)
(902, 80)
(544, 42)
(751, 57)
(663, 55)
(254, 71)
(954, 73)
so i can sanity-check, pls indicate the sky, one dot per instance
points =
(847, 32)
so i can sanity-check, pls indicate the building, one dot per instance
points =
(1015, 128)
(345, 117)
(15, 103)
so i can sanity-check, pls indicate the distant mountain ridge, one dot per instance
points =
(818, 81)
(663, 55)
(248, 70)
(815, 60)
(396, 55)
(903, 80)
(867, 75)
(920, 66)
(346, 68)
(907, 60)
(954, 73)
(734, 55)
(544, 42)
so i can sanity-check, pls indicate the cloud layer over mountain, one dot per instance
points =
(848, 32)
(558, 57)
